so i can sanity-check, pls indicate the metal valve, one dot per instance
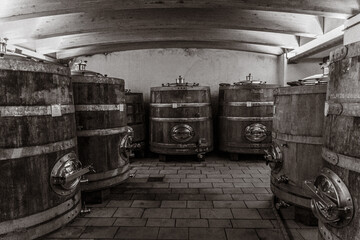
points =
(282, 179)
(282, 204)
(331, 200)
(273, 157)
(126, 145)
(202, 148)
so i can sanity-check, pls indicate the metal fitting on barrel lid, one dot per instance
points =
(3, 44)
(180, 81)
(249, 80)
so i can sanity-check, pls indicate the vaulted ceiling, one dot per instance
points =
(64, 29)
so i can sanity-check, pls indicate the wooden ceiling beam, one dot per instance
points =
(60, 25)
(322, 43)
(21, 9)
(50, 45)
(91, 50)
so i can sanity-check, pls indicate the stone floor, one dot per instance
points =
(216, 199)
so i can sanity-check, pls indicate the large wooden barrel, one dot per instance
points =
(245, 117)
(336, 191)
(37, 148)
(103, 135)
(181, 120)
(136, 119)
(297, 138)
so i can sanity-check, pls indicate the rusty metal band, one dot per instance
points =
(31, 66)
(343, 161)
(42, 217)
(21, 111)
(199, 119)
(98, 183)
(14, 153)
(102, 132)
(245, 119)
(178, 105)
(102, 80)
(173, 145)
(100, 107)
(344, 109)
(290, 197)
(325, 233)
(247, 104)
(297, 138)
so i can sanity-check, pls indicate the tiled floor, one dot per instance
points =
(216, 199)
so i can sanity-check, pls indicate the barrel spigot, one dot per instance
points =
(282, 204)
(282, 179)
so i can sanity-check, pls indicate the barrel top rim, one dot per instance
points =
(165, 88)
(98, 79)
(250, 86)
(306, 89)
(25, 65)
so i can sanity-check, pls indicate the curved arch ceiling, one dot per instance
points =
(66, 28)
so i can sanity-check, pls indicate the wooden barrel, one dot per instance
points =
(297, 138)
(180, 120)
(103, 135)
(245, 117)
(136, 118)
(37, 144)
(336, 191)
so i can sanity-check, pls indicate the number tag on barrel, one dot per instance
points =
(121, 107)
(248, 104)
(56, 110)
(174, 105)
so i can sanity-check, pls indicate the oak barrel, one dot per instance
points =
(136, 118)
(297, 138)
(181, 119)
(245, 117)
(102, 132)
(37, 148)
(337, 201)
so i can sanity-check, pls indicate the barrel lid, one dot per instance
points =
(179, 88)
(317, 79)
(93, 77)
(16, 62)
(247, 86)
(303, 89)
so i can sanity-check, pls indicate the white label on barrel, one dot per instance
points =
(56, 110)
(121, 106)
(274, 110)
(174, 105)
(248, 104)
